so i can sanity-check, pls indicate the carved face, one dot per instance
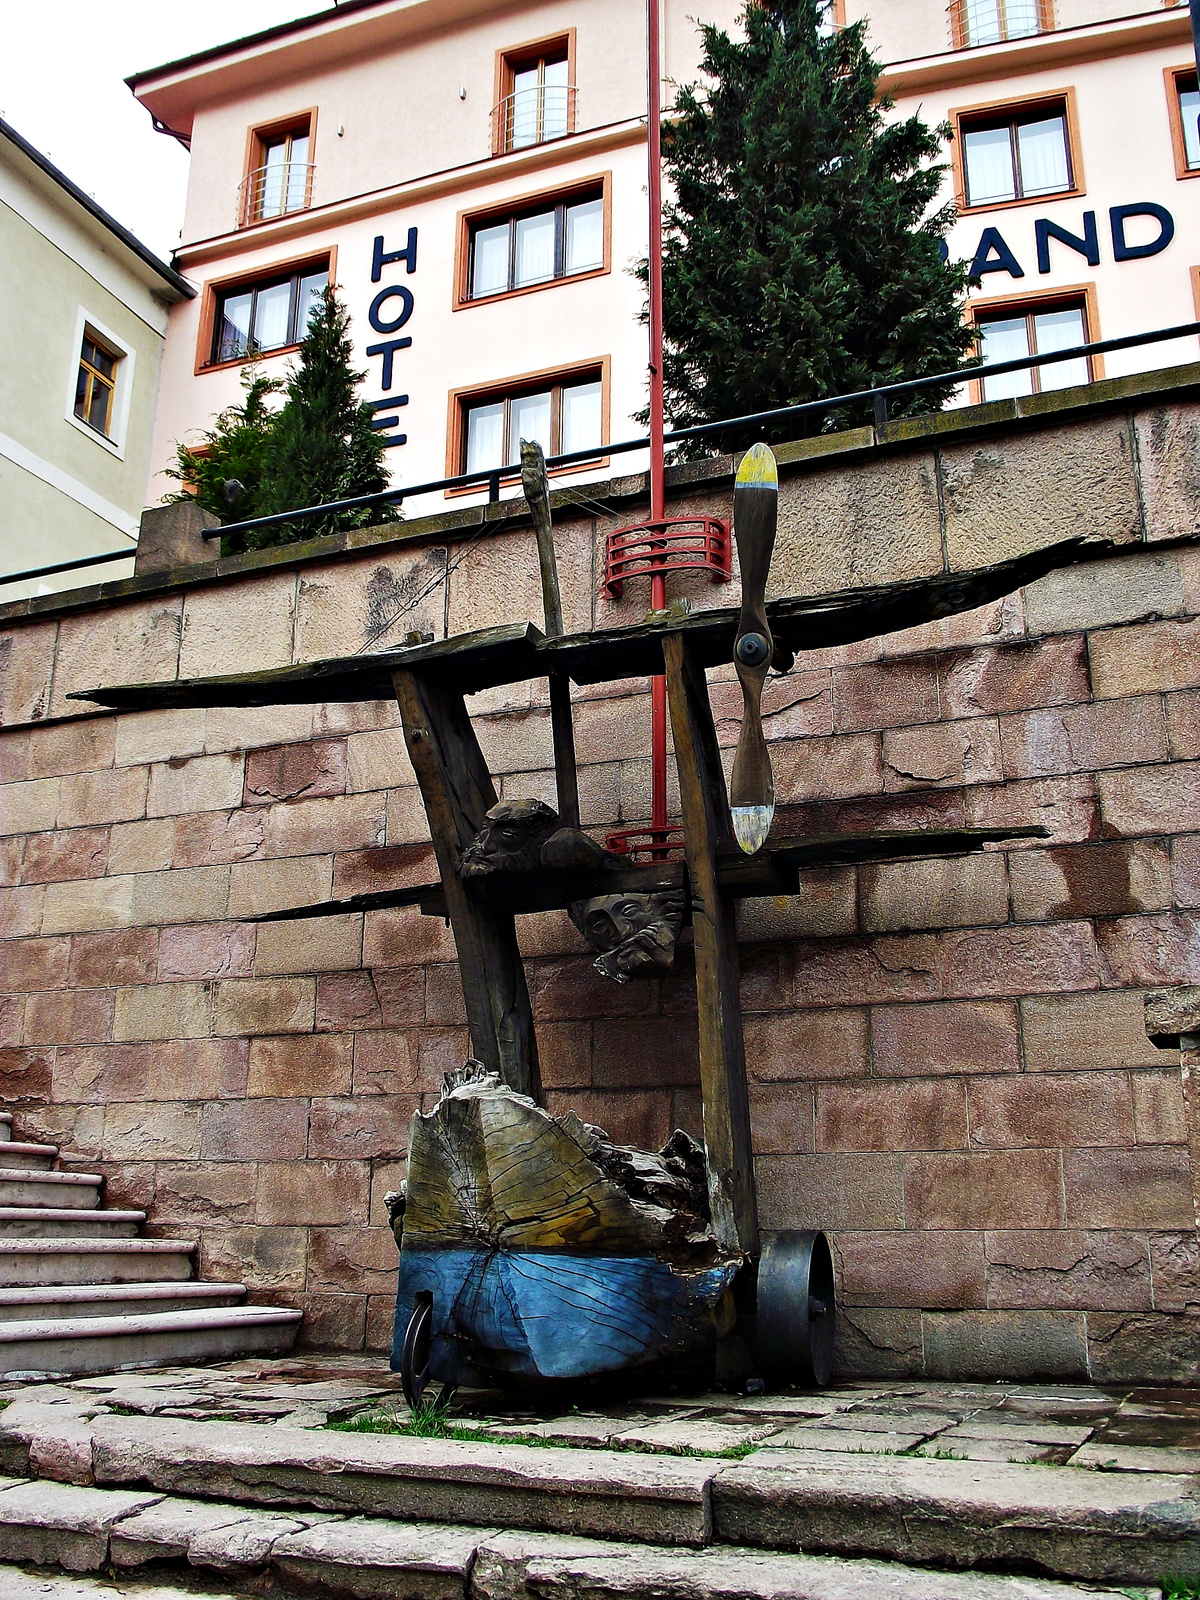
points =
(510, 839)
(636, 932)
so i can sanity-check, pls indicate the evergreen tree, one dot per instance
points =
(231, 451)
(798, 258)
(322, 447)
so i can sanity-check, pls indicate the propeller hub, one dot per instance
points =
(752, 649)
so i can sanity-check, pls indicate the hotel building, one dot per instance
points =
(474, 179)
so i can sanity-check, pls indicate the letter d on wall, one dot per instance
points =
(1117, 216)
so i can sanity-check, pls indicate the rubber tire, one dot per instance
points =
(796, 1309)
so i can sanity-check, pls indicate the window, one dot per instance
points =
(563, 414)
(832, 17)
(96, 384)
(992, 21)
(535, 98)
(279, 178)
(1030, 329)
(1183, 100)
(535, 244)
(264, 316)
(1016, 154)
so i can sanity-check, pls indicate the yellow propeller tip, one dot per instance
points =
(758, 469)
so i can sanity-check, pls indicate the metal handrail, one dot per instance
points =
(69, 566)
(504, 119)
(293, 176)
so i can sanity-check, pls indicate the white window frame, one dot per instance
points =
(114, 440)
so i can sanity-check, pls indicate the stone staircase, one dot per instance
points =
(80, 1291)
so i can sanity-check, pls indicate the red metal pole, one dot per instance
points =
(658, 583)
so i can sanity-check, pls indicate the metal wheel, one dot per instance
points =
(414, 1358)
(796, 1309)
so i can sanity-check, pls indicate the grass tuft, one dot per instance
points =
(1182, 1587)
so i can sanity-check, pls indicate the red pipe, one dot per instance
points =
(658, 583)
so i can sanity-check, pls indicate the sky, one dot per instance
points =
(62, 71)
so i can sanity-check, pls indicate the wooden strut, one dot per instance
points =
(457, 790)
(536, 486)
(718, 1000)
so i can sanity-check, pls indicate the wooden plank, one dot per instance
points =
(722, 1050)
(457, 790)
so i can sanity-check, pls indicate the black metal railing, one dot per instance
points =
(492, 477)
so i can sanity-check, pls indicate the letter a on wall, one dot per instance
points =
(994, 255)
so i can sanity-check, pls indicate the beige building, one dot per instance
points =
(83, 311)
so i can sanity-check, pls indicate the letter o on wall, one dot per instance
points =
(406, 300)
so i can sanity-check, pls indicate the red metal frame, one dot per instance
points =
(676, 544)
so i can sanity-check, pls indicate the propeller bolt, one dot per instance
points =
(752, 649)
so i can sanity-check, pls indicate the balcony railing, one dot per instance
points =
(274, 190)
(532, 116)
(975, 22)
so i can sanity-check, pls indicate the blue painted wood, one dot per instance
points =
(556, 1314)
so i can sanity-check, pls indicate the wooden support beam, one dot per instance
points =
(722, 1049)
(457, 790)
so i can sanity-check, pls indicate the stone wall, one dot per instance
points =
(949, 1070)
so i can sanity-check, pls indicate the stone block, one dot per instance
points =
(1133, 1348)
(1171, 1013)
(634, 1051)
(273, 1259)
(406, 819)
(360, 1129)
(187, 784)
(241, 626)
(496, 580)
(1012, 494)
(1138, 659)
(1167, 439)
(1021, 960)
(85, 744)
(781, 1118)
(295, 772)
(371, 603)
(825, 906)
(362, 1558)
(12, 1017)
(1151, 800)
(214, 838)
(21, 910)
(1159, 1112)
(1149, 950)
(27, 654)
(957, 753)
(1185, 871)
(862, 972)
(145, 736)
(1044, 1110)
(984, 1189)
(29, 807)
(1110, 733)
(334, 1321)
(903, 1114)
(955, 1037)
(1149, 1187)
(142, 846)
(1014, 677)
(300, 1064)
(404, 938)
(1066, 807)
(247, 727)
(254, 1130)
(88, 904)
(28, 964)
(1084, 1032)
(173, 536)
(883, 1343)
(308, 1193)
(839, 1192)
(62, 1525)
(316, 827)
(1025, 1344)
(356, 1260)
(643, 1118)
(1090, 880)
(207, 1069)
(884, 694)
(572, 988)
(318, 945)
(87, 799)
(940, 892)
(386, 1176)
(258, 886)
(1175, 1265)
(791, 1045)
(26, 1074)
(1183, 723)
(194, 1193)
(76, 1016)
(1067, 1269)
(212, 950)
(827, 769)
(399, 997)
(190, 894)
(1132, 586)
(605, 730)
(386, 1062)
(139, 643)
(264, 1005)
(393, 866)
(796, 706)
(163, 1011)
(911, 1269)
(168, 1131)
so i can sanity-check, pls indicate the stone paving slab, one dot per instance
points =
(388, 1560)
(19, 1584)
(866, 1442)
(61, 1523)
(1096, 1526)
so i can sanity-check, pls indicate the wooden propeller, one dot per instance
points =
(755, 513)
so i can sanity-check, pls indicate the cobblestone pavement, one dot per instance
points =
(1125, 1430)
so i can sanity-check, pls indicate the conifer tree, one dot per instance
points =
(800, 255)
(321, 447)
(231, 451)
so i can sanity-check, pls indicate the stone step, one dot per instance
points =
(29, 1262)
(27, 1156)
(131, 1534)
(1097, 1527)
(100, 1344)
(78, 1191)
(55, 1302)
(52, 1222)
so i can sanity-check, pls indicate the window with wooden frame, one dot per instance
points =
(535, 93)
(1011, 328)
(1012, 154)
(1183, 105)
(976, 22)
(832, 17)
(564, 412)
(96, 384)
(261, 315)
(534, 241)
(279, 170)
